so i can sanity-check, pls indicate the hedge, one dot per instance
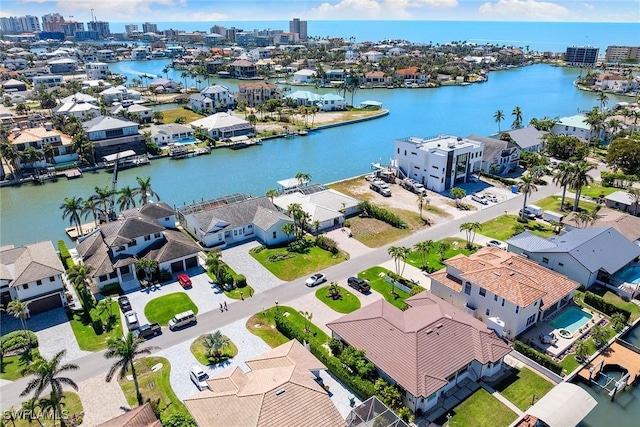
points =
(363, 388)
(538, 357)
(505, 181)
(111, 289)
(65, 256)
(606, 307)
(328, 244)
(381, 214)
(19, 339)
(617, 179)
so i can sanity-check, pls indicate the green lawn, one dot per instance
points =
(374, 233)
(297, 264)
(378, 284)
(627, 305)
(595, 190)
(569, 363)
(264, 326)
(235, 293)
(163, 308)
(154, 386)
(458, 246)
(504, 227)
(12, 366)
(170, 116)
(346, 304)
(71, 406)
(552, 203)
(86, 335)
(200, 353)
(480, 410)
(523, 386)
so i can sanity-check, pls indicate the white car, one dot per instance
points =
(491, 198)
(132, 320)
(479, 198)
(497, 244)
(316, 279)
(199, 377)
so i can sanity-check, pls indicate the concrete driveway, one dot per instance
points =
(258, 277)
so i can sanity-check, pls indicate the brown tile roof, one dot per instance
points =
(420, 347)
(29, 263)
(625, 224)
(142, 416)
(280, 390)
(507, 275)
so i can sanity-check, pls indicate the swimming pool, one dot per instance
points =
(631, 275)
(572, 319)
(187, 140)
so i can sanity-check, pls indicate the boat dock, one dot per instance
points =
(71, 173)
(182, 152)
(619, 353)
(237, 142)
(72, 232)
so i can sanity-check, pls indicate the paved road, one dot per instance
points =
(95, 364)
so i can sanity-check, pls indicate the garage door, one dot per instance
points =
(177, 266)
(191, 262)
(45, 304)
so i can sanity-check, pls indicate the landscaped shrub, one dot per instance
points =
(65, 256)
(97, 325)
(241, 281)
(327, 244)
(606, 307)
(279, 257)
(336, 347)
(164, 275)
(538, 357)
(111, 289)
(618, 179)
(18, 340)
(499, 178)
(373, 211)
(258, 249)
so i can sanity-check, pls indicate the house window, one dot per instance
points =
(147, 238)
(52, 279)
(132, 243)
(112, 275)
(38, 282)
(120, 248)
(482, 292)
(274, 234)
(467, 288)
(560, 264)
(487, 312)
(102, 278)
(25, 286)
(166, 219)
(157, 235)
(503, 302)
(545, 260)
(531, 319)
(495, 297)
(517, 309)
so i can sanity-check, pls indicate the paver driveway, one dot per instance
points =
(242, 262)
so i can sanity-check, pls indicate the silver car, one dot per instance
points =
(199, 377)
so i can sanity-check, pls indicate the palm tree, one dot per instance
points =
(470, 228)
(599, 335)
(106, 304)
(458, 193)
(307, 320)
(149, 266)
(79, 276)
(184, 75)
(19, 310)
(213, 260)
(442, 249)
(126, 350)
(144, 190)
(90, 207)
(214, 344)
(104, 196)
(126, 199)
(517, 122)
(165, 70)
(563, 177)
(527, 187)
(49, 153)
(423, 248)
(272, 193)
(421, 201)
(618, 321)
(288, 229)
(635, 198)
(72, 208)
(10, 154)
(303, 178)
(579, 178)
(603, 99)
(582, 349)
(46, 374)
(498, 117)
(30, 156)
(399, 255)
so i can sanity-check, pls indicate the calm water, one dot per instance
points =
(541, 36)
(31, 213)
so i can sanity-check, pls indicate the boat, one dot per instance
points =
(178, 152)
(303, 133)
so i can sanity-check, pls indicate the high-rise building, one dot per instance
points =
(217, 29)
(10, 25)
(299, 27)
(69, 28)
(52, 21)
(130, 28)
(29, 23)
(148, 27)
(582, 55)
(621, 53)
(101, 27)
(20, 24)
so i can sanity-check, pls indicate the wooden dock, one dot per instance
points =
(72, 232)
(616, 354)
(72, 173)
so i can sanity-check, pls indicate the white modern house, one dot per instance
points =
(328, 207)
(438, 163)
(47, 80)
(32, 274)
(582, 254)
(223, 125)
(502, 288)
(120, 94)
(142, 112)
(326, 102)
(575, 126)
(171, 133)
(304, 76)
(96, 71)
(234, 219)
(212, 99)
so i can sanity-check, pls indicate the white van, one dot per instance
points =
(536, 210)
(182, 319)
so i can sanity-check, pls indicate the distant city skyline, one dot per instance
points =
(135, 11)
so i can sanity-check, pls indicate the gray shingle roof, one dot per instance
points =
(122, 231)
(152, 210)
(267, 218)
(233, 215)
(29, 263)
(214, 89)
(106, 123)
(526, 137)
(175, 245)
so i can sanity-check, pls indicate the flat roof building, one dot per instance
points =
(582, 55)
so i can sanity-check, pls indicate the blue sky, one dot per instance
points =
(264, 10)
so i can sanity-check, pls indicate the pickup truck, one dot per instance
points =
(147, 331)
(358, 284)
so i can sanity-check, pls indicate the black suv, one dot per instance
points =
(358, 284)
(124, 304)
(148, 331)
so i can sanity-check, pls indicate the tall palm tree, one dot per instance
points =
(579, 178)
(79, 276)
(126, 350)
(423, 248)
(47, 374)
(635, 198)
(442, 248)
(517, 114)
(214, 343)
(563, 177)
(144, 190)
(399, 255)
(213, 260)
(421, 201)
(72, 208)
(603, 99)
(104, 197)
(10, 154)
(498, 117)
(526, 186)
(90, 207)
(19, 310)
(272, 193)
(470, 229)
(126, 200)
(303, 178)
(30, 156)
(49, 153)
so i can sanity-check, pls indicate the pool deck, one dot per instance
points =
(615, 354)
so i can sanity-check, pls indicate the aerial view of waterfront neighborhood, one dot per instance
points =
(397, 220)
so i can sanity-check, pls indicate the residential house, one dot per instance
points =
(162, 85)
(96, 71)
(625, 224)
(243, 69)
(120, 94)
(376, 78)
(426, 350)
(142, 416)
(234, 219)
(223, 125)
(13, 85)
(372, 56)
(111, 135)
(304, 76)
(438, 163)
(411, 74)
(495, 284)
(527, 139)
(38, 137)
(62, 66)
(585, 255)
(257, 93)
(171, 133)
(327, 208)
(48, 81)
(281, 388)
(212, 99)
(137, 112)
(106, 55)
(575, 126)
(32, 274)
(500, 157)
(144, 232)
(616, 82)
(140, 53)
(331, 102)
(623, 201)
(77, 106)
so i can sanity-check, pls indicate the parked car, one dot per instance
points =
(358, 284)
(184, 280)
(536, 210)
(132, 320)
(497, 244)
(381, 187)
(199, 377)
(527, 213)
(182, 319)
(148, 330)
(316, 279)
(492, 198)
(479, 198)
(124, 304)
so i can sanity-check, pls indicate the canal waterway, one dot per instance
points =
(31, 213)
